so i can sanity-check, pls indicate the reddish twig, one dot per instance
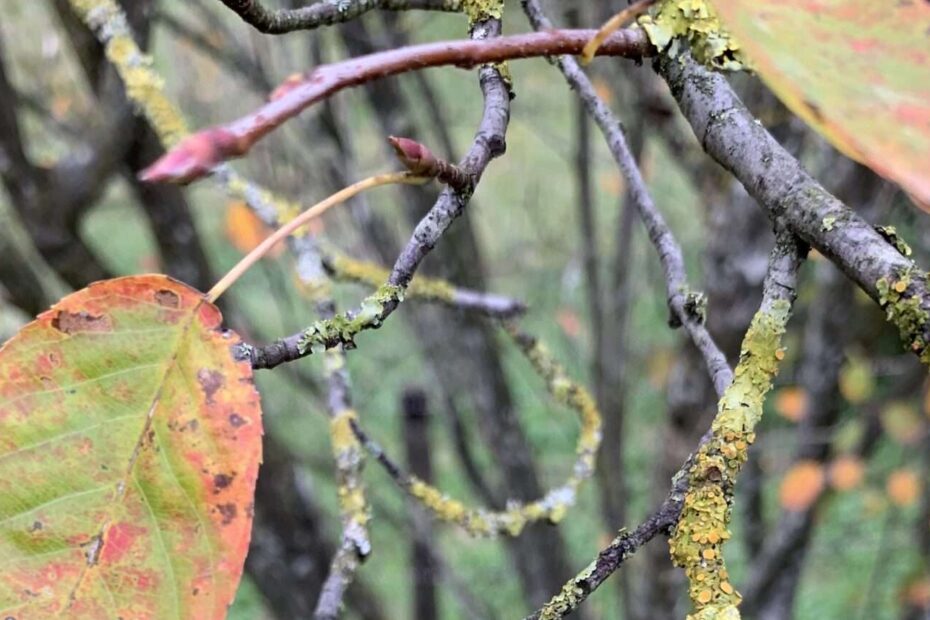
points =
(198, 154)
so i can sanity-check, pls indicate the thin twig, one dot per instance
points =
(489, 143)
(199, 153)
(327, 13)
(612, 25)
(670, 254)
(554, 504)
(315, 211)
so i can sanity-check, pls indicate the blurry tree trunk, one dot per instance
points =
(423, 569)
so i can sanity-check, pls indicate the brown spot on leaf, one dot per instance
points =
(814, 109)
(36, 526)
(71, 322)
(221, 481)
(211, 381)
(228, 511)
(167, 298)
(236, 420)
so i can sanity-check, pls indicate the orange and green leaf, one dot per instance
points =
(858, 71)
(130, 440)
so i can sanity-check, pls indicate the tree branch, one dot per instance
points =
(325, 13)
(489, 142)
(779, 289)
(198, 154)
(682, 301)
(788, 194)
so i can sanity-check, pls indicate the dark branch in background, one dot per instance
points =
(198, 154)
(780, 284)
(416, 425)
(681, 299)
(789, 195)
(325, 13)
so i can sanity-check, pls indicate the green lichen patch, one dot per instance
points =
(695, 23)
(481, 10)
(903, 310)
(890, 234)
(343, 328)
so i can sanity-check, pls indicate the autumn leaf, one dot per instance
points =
(130, 439)
(801, 486)
(858, 71)
(791, 403)
(903, 487)
(846, 472)
(245, 230)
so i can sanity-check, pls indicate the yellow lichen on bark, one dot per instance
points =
(348, 452)
(696, 23)
(480, 10)
(554, 505)
(421, 287)
(144, 87)
(702, 529)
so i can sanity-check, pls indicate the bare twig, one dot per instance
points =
(680, 296)
(198, 154)
(282, 21)
(343, 267)
(301, 220)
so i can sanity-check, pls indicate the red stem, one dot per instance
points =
(198, 154)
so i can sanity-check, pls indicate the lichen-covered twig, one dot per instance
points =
(779, 290)
(702, 529)
(282, 21)
(679, 294)
(551, 507)
(200, 153)
(346, 268)
(355, 544)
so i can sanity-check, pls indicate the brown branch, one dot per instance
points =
(198, 154)
(325, 13)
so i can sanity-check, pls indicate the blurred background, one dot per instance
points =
(832, 517)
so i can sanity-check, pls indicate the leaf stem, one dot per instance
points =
(316, 210)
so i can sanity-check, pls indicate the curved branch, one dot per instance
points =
(681, 300)
(198, 154)
(326, 13)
